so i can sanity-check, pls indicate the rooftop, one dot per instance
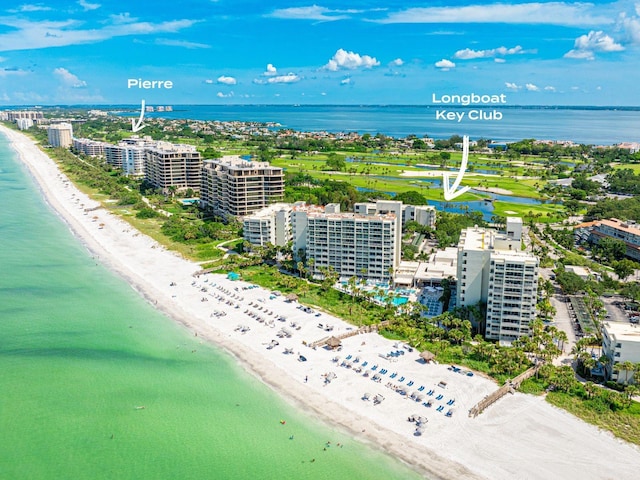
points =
(623, 331)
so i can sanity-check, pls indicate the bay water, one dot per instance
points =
(587, 125)
(96, 384)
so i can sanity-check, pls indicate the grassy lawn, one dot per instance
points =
(152, 227)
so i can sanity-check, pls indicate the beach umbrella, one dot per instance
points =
(334, 342)
(427, 356)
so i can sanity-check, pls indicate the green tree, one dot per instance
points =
(411, 197)
(624, 268)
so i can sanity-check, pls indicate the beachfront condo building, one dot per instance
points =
(493, 269)
(129, 155)
(351, 244)
(15, 115)
(60, 135)
(234, 187)
(628, 232)
(271, 225)
(620, 343)
(169, 165)
(24, 123)
(89, 147)
(422, 214)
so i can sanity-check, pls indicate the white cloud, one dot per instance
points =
(531, 87)
(224, 95)
(469, 54)
(346, 81)
(69, 79)
(27, 35)
(445, 64)
(88, 6)
(630, 26)
(288, 78)
(270, 71)
(226, 80)
(313, 12)
(398, 62)
(512, 86)
(499, 60)
(39, 7)
(551, 13)
(181, 43)
(586, 46)
(208, 81)
(125, 17)
(350, 61)
(549, 88)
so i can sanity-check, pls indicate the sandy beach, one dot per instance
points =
(520, 437)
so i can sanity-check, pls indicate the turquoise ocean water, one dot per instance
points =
(81, 353)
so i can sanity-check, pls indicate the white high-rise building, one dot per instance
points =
(270, 225)
(24, 123)
(357, 245)
(492, 269)
(620, 343)
(422, 214)
(60, 135)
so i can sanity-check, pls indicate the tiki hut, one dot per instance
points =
(334, 342)
(427, 356)
(292, 297)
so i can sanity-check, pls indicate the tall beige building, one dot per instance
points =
(235, 187)
(60, 135)
(168, 165)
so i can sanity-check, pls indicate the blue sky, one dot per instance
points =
(319, 51)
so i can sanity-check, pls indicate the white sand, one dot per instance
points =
(519, 437)
(499, 191)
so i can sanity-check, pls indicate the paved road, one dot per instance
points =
(563, 322)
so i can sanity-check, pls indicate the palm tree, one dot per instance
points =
(631, 391)
(590, 388)
(628, 367)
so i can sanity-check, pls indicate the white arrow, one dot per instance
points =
(450, 191)
(138, 126)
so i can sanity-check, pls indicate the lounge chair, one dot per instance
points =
(440, 408)
(364, 364)
(439, 397)
(374, 368)
(401, 379)
(421, 389)
(394, 375)
(348, 357)
(410, 383)
(449, 413)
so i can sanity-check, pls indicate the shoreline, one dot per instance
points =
(509, 439)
